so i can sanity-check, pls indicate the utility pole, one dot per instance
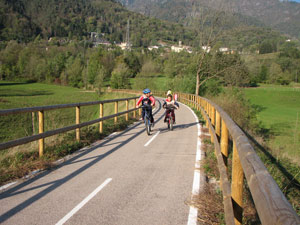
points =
(127, 40)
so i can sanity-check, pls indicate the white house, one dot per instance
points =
(206, 48)
(152, 47)
(181, 47)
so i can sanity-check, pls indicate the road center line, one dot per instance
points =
(81, 204)
(152, 139)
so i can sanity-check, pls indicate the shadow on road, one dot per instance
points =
(57, 183)
(178, 127)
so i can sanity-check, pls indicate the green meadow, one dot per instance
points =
(20, 95)
(18, 161)
(279, 108)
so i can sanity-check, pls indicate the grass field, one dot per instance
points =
(18, 161)
(20, 95)
(280, 113)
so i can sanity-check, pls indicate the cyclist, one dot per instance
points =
(170, 102)
(147, 99)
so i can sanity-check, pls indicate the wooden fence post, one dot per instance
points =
(140, 111)
(218, 123)
(77, 122)
(224, 143)
(134, 112)
(207, 112)
(194, 101)
(213, 116)
(41, 130)
(116, 111)
(33, 122)
(127, 108)
(100, 116)
(237, 186)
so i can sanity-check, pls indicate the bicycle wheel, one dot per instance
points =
(147, 125)
(171, 123)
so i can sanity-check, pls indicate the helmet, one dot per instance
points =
(170, 95)
(146, 91)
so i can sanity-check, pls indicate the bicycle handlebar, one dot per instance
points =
(170, 107)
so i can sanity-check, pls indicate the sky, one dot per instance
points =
(295, 1)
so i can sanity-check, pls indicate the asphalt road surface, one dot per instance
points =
(116, 181)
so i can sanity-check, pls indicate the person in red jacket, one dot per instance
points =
(147, 99)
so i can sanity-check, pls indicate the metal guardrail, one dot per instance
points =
(271, 205)
(41, 109)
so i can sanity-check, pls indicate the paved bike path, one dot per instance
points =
(147, 185)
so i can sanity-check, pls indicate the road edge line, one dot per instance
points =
(197, 187)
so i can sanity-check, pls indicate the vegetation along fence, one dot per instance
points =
(271, 204)
(43, 134)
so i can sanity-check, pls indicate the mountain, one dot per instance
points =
(24, 20)
(283, 16)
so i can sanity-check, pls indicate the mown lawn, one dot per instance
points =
(279, 112)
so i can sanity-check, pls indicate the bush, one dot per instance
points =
(231, 100)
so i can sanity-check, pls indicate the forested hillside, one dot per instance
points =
(23, 20)
(281, 15)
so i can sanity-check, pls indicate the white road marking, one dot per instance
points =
(196, 183)
(193, 214)
(152, 139)
(7, 185)
(81, 204)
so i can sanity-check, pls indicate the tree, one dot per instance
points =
(133, 63)
(120, 77)
(73, 72)
(267, 47)
(211, 26)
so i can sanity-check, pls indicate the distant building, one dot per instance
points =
(223, 49)
(206, 48)
(181, 47)
(150, 48)
(124, 46)
(98, 39)
(226, 50)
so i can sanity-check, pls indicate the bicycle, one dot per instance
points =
(169, 117)
(147, 118)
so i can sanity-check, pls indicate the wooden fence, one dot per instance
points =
(42, 109)
(271, 204)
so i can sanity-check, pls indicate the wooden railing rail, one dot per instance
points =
(271, 204)
(41, 109)
(61, 106)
